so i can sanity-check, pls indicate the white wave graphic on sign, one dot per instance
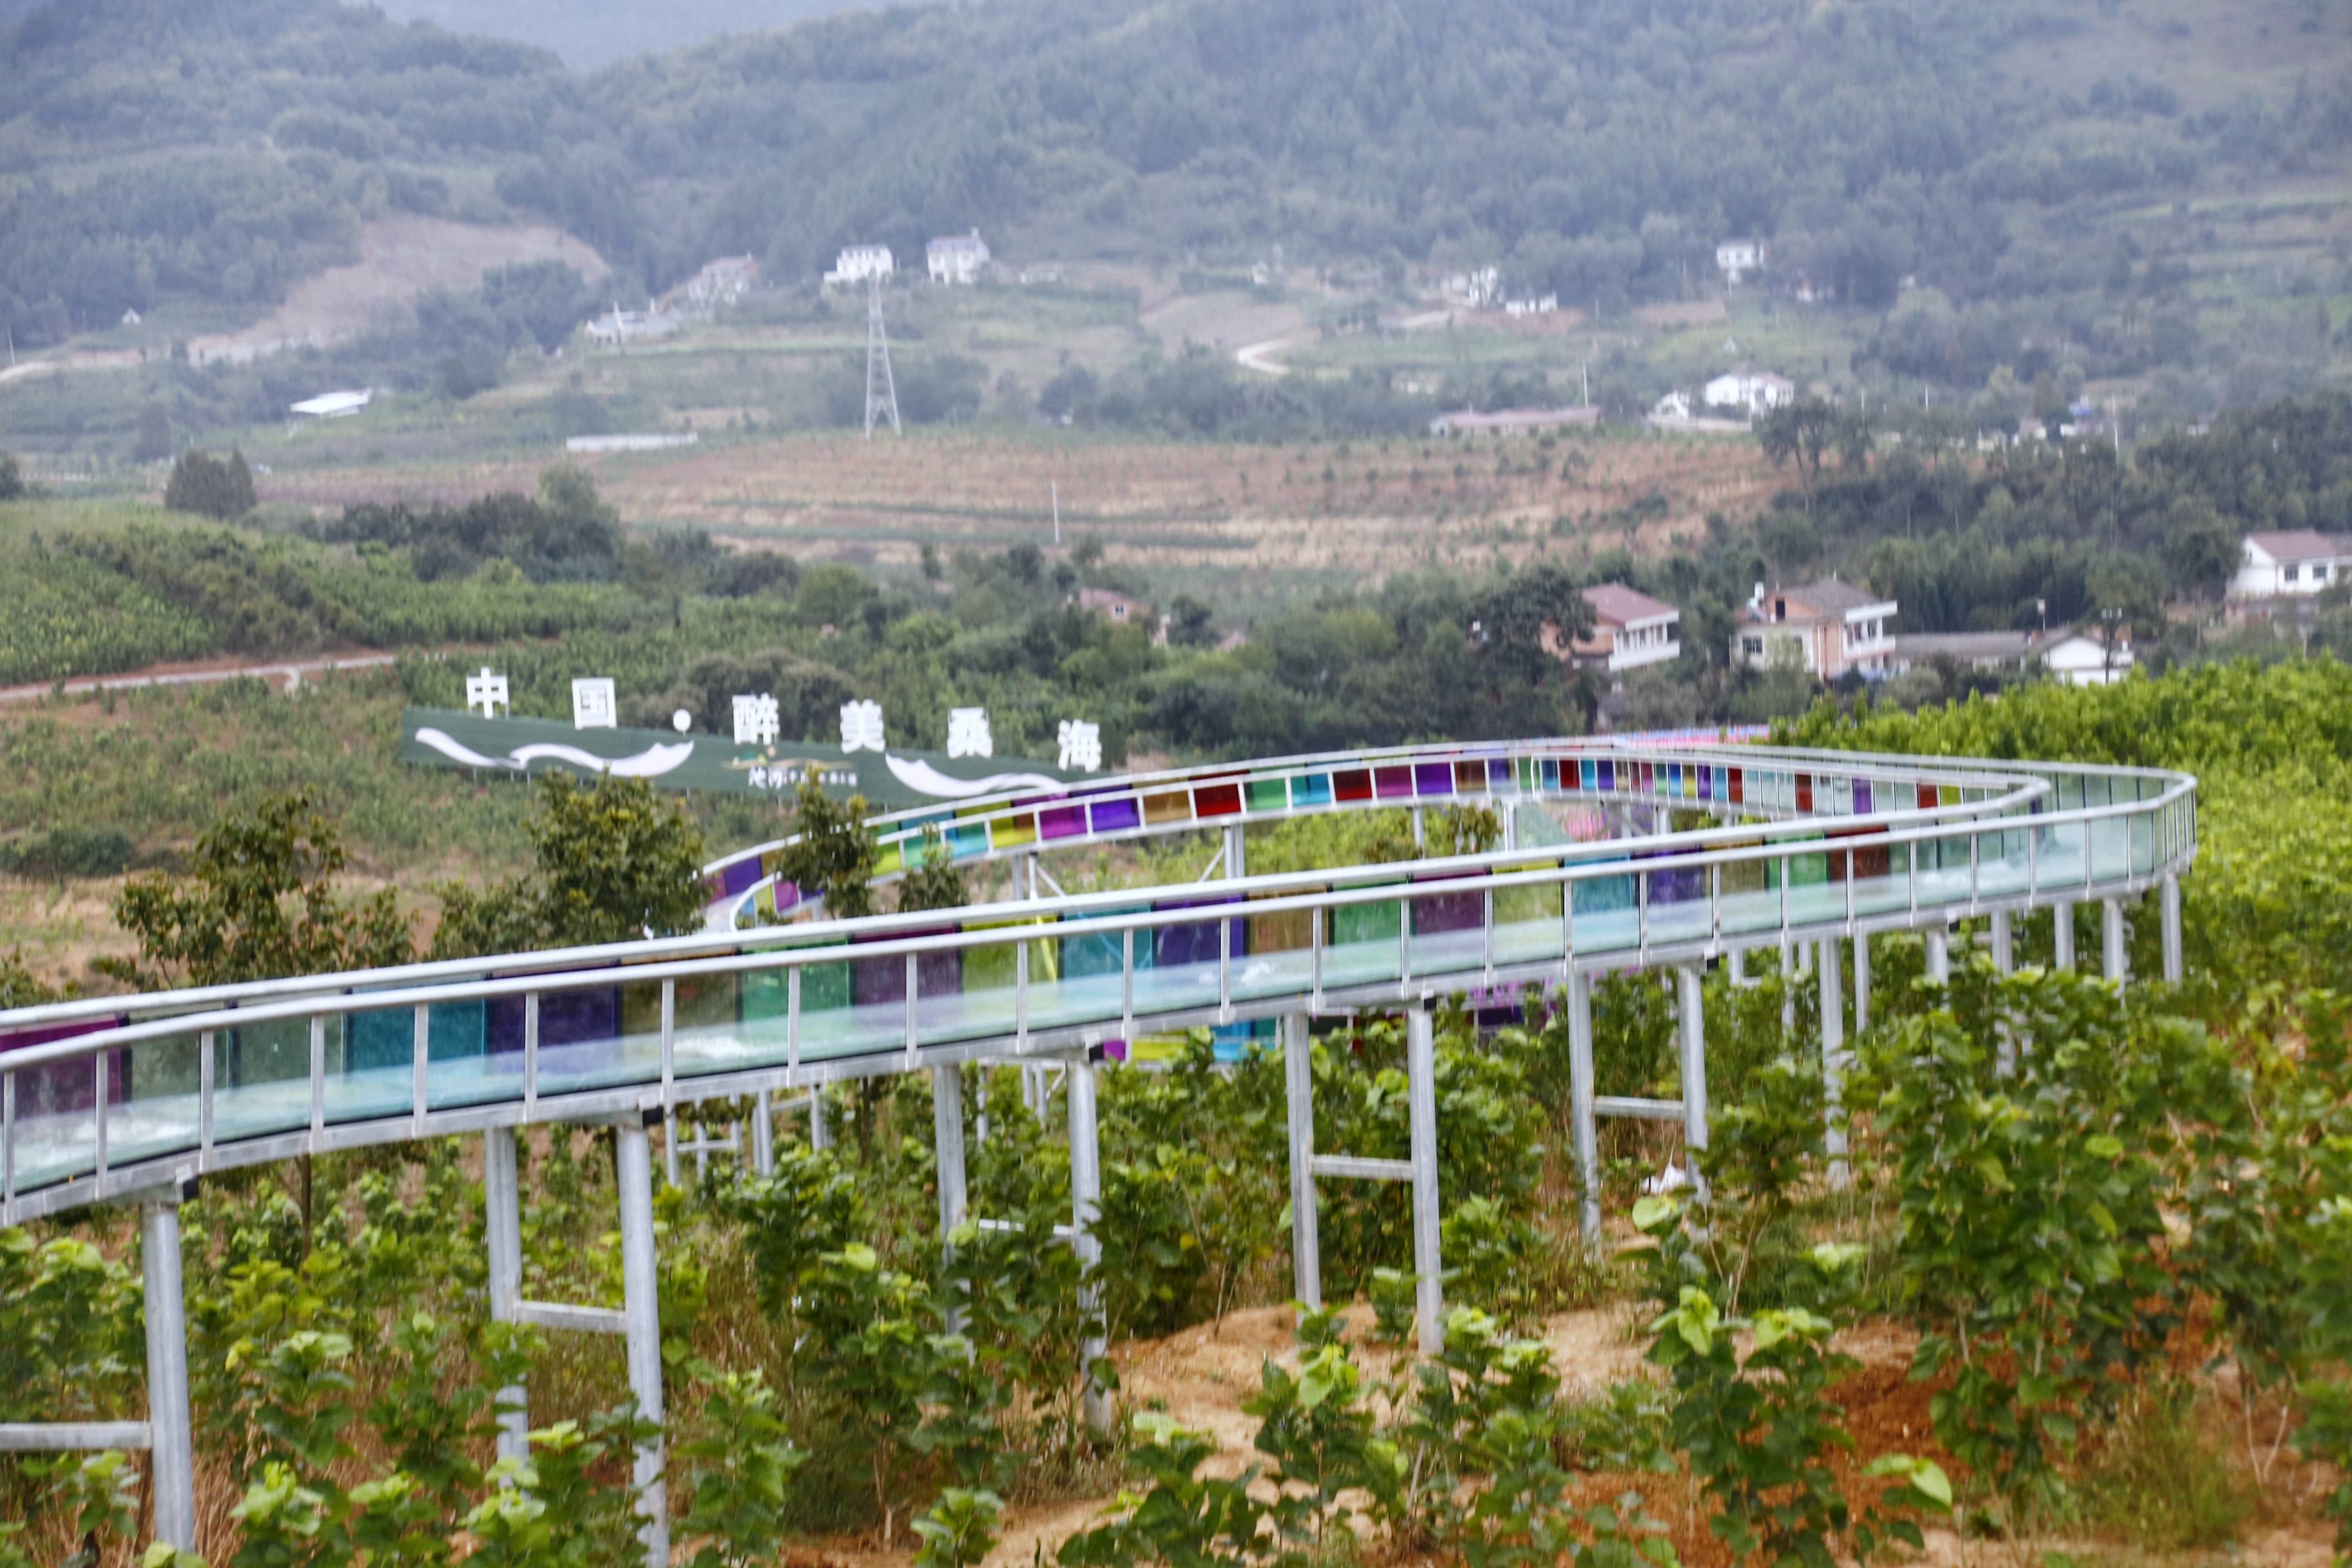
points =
(926, 779)
(652, 763)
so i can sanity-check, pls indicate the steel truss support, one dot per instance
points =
(2168, 905)
(502, 1229)
(1306, 1240)
(1421, 1095)
(1694, 1063)
(169, 1435)
(1086, 1208)
(641, 1297)
(1580, 1105)
(2114, 960)
(1833, 1063)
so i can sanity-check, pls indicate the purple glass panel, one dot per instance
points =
(1393, 783)
(1062, 822)
(566, 1018)
(1196, 943)
(883, 980)
(1433, 778)
(1446, 912)
(1862, 797)
(66, 1086)
(1115, 815)
(737, 876)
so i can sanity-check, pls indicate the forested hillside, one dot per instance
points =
(223, 148)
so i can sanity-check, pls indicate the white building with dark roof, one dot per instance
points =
(1828, 627)
(958, 259)
(1630, 629)
(2290, 561)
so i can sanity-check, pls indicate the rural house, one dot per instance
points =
(1630, 629)
(2290, 561)
(1753, 391)
(1736, 258)
(1828, 627)
(860, 263)
(958, 259)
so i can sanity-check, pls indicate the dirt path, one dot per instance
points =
(287, 673)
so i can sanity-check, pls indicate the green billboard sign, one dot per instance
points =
(890, 780)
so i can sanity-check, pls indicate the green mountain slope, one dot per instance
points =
(1598, 148)
(593, 33)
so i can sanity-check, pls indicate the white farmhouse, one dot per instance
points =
(1736, 258)
(861, 263)
(1753, 391)
(2290, 561)
(958, 259)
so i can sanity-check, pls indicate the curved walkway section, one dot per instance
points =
(1712, 850)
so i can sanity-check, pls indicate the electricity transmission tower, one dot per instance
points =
(881, 390)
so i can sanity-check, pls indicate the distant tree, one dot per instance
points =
(933, 879)
(610, 861)
(2200, 548)
(257, 901)
(1191, 624)
(1517, 618)
(12, 481)
(1803, 431)
(154, 442)
(832, 854)
(203, 484)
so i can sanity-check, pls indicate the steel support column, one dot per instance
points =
(1421, 1095)
(2115, 961)
(1940, 956)
(819, 1136)
(1834, 1062)
(641, 1310)
(1694, 1063)
(173, 1441)
(2168, 905)
(2005, 942)
(1306, 1240)
(1586, 1127)
(1236, 852)
(2062, 936)
(1085, 1205)
(502, 1232)
(763, 1135)
(1861, 985)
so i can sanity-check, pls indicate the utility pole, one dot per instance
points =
(881, 390)
(1057, 512)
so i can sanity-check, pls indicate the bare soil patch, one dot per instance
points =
(399, 258)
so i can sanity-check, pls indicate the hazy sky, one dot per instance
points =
(592, 33)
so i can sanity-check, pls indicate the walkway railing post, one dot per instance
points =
(641, 1310)
(502, 1231)
(1306, 1240)
(1420, 1094)
(1693, 1031)
(1833, 1063)
(2115, 962)
(2174, 967)
(1586, 1126)
(173, 1454)
(2062, 936)
(1085, 1207)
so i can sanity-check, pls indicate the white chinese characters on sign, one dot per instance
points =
(594, 705)
(1081, 745)
(861, 727)
(487, 692)
(968, 733)
(756, 720)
